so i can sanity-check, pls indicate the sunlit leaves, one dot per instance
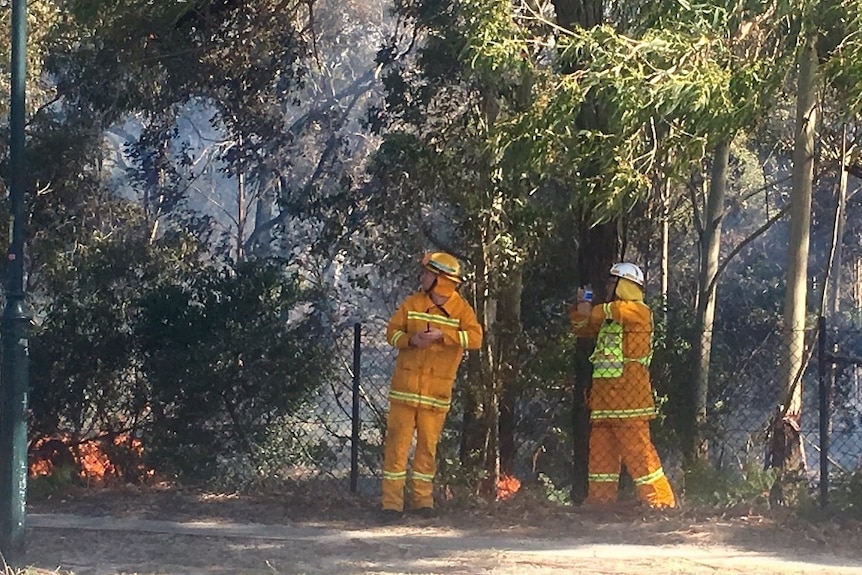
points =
(845, 67)
(495, 43)
(42, 16)
(667, 95)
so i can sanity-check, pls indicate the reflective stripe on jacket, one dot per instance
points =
(608, 357)
(621, 385)
(424, 377)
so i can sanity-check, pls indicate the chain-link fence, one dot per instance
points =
(840, 406)
(745, 408)
(341, 430)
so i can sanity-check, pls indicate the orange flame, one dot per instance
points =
(88, 458)
(507, 486)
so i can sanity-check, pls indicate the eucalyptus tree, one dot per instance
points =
(239, 62)
(840, 147)
(312, 191)
(602, 235)
(822, 33)
(280, 84)
(112, 62)
(491, 121)
(42, 17)
(751, 59)
(672, 94)
(115, 64)
(439, 155)
(786, 430)
(844, 71)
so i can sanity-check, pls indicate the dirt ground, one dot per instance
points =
(180, 532)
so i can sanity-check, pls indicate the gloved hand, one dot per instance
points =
(425, 338)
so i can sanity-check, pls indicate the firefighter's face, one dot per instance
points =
(427, 279)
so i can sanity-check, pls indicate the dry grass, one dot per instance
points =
(6, 569)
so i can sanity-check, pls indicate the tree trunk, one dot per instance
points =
(800, 228)
(857, 279)
(786, 447)
(594, 263)
(502, 317)
(665, 248)
(710, 242)
(259, 242)
(471, 426)
(490, 406)
(585, 13)
(509, 334)
(581, 421)
(154, 196)
(240, 206)
(833, 281)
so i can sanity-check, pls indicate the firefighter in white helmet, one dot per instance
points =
(431, 330)
(621, 400)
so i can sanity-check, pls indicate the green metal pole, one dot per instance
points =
(14, 324)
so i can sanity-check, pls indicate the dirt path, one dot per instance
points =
(110, 546)
(194, 534)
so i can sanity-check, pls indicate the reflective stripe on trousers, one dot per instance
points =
(617, 443)
(401, 424)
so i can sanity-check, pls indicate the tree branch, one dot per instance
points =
(760, 231)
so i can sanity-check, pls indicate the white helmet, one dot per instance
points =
(628, 271)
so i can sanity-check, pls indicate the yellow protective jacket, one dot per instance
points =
(424, 377)
(621, 383)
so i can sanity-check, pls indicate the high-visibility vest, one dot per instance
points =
(608, 358)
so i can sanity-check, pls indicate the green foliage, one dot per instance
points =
(649, 84)
(496, 45)
(42, 16)
(227, 353)
(61, 479)
(278, 449)
(724, 488)
(553, 493)
(846, 494)
(503, 133)
(199, 362)
(555, 127)
(456, 480)
(844, 68)
(154, 55)
(84, 373)
(691, 82)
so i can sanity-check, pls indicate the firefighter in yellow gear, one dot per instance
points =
(621, 399)
(431, 330)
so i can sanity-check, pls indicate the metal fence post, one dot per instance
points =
(354, 427)
(824, 413)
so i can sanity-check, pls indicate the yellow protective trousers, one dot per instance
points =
(620, 442)
(402, 422)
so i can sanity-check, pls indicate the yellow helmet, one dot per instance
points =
(441, 263)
